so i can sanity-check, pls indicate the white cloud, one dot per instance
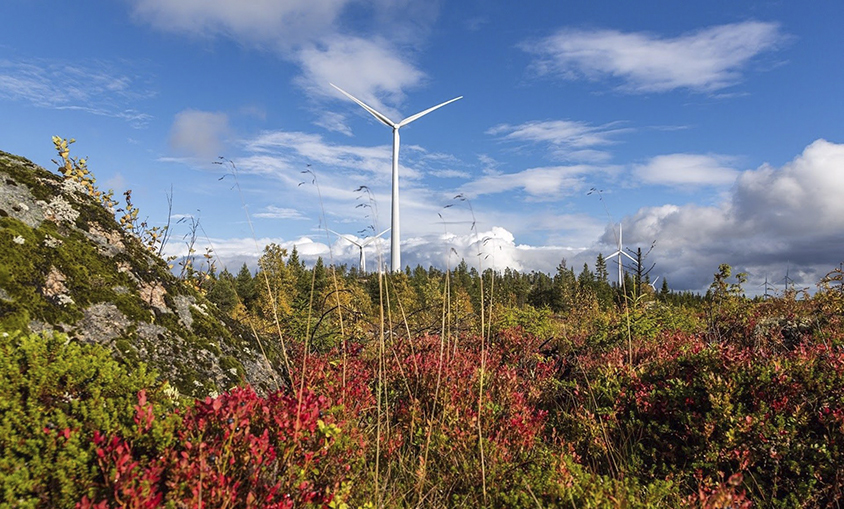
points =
(369, 69)
(261, 22)
(273, 212)
(333, 121)
(687, 170)
(312, 149)
(494, 248)
(569, 140)
(375, 66)
(450, 174)
(199, 134)
(544, 183)
(804, 196)
(707, 60)
(775, 218)
(232, 253)
(97, 88)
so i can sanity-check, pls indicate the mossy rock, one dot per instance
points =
(66, 265)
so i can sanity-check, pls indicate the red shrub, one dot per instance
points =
(236, 450)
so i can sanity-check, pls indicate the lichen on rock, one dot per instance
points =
(67, 265)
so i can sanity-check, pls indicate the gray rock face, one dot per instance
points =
(66, 265)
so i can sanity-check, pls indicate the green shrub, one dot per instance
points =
(54, 394)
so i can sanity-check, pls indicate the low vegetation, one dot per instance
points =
(449, 388)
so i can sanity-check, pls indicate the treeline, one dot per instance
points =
(326, 302)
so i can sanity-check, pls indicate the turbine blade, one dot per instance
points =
(423, 113)
(372, 111)
(370, 239)
(628, 256)
(344, 237)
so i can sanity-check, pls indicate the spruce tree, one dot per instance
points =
(245, 286)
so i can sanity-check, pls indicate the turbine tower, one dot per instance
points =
(621, 252)
(362, 244)
(395, 236)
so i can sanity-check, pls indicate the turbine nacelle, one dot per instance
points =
(395, 223)
(621, 252)
(383, 118)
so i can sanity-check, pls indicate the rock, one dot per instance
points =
(67, 265)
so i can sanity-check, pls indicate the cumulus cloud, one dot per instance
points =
(803, 196)
(706, 60)
(231, 253)
(199, 134)
(687, 170)
(375, 65)
(495, 248)
(369, 69)
(773, 219)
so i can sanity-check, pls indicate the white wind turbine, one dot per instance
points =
(653, 284)
(395, 236)
(621, 252)
(362, 244)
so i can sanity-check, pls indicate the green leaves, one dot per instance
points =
(54, 394)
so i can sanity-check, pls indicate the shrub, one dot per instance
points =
(694, 411)
(55, 394)
(434, 429)
(235, 450)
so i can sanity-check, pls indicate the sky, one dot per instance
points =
(706, 132)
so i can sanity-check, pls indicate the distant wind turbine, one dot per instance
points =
(786, 280)
(619, 254)
(653, 284)
(362, 244)
(767, 287)
(395, 237)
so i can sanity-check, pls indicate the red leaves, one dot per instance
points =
(144, 414)
(437, 395)
(236, 450)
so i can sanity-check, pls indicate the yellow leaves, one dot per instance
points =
(76, 170)
(329, 430)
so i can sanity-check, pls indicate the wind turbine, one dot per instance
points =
(362, 244)
(653, 284)
(395, 237)
(767, 287)
(786, 281)
(619, 253)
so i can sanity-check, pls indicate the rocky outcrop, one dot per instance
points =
(66, 265)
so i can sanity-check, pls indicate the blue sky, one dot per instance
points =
(713, 130)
